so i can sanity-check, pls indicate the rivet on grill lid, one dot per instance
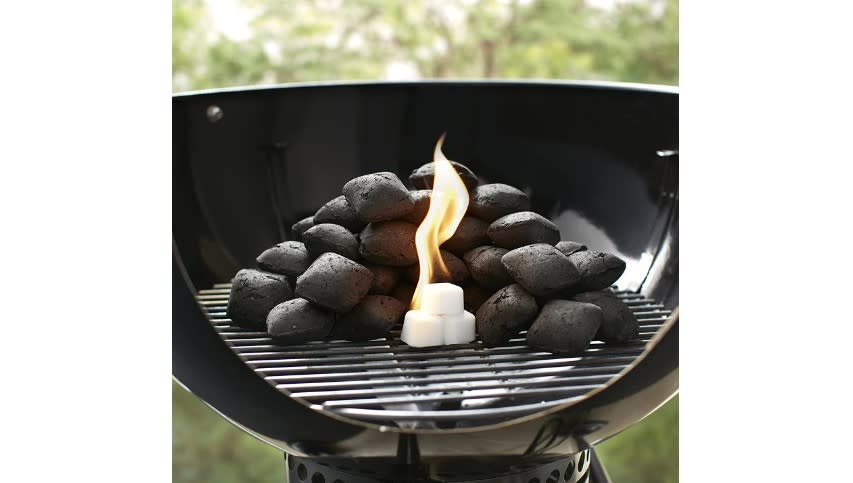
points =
(214, 113)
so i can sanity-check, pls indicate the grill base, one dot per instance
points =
(582, 467)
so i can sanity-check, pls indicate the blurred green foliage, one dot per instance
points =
(646, 452)
(299, 40)
(208, 449)
(315, 40)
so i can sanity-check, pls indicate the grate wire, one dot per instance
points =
(389, 383)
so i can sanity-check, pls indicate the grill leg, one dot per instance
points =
(597, 473)
(409, 458)
(287, 463)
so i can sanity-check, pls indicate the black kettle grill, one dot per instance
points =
(600, 160)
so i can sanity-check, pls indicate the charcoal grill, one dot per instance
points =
(600, 160)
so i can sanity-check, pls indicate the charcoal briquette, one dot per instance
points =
(523, 228)
(328, 237)
(506, 313)
(370, 319)
(334, 282)
(424, 177)
(491, 201)
(339, 212)
(484, 264)
(421, 199)
(404, 291)
(384, 278)
(300, 226)
(378, 197)
(470, 233)
(564, 327)
(540, 268)
(289, 258)
(458, 272)
(389, 243)
(598, 270)
(618, 324)
(253, 294)
(473, 296)
(569, 247)
(297, 321)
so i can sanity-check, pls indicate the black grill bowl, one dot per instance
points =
(600, 160)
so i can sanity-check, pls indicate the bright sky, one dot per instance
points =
(230, 18)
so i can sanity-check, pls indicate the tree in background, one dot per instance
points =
(203, 58)
(293, 41)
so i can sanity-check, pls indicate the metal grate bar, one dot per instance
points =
(265, 349)
(433, 371)
(397, 347)
(487, 393)
(455, 415)
(443, 358)
(470, 363)
(232, 334)
(478, 386)
(465, 384)
(601, 375)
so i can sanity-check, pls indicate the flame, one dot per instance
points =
(447, 206)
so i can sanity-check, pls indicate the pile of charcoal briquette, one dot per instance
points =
(350, 271)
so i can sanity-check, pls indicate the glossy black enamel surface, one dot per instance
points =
(587, 156)
(248, 164)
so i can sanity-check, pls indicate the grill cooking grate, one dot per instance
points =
(388, 383)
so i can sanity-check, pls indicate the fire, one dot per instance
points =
(447, 206)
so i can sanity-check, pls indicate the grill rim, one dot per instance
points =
(592, 84)
(648, 347)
